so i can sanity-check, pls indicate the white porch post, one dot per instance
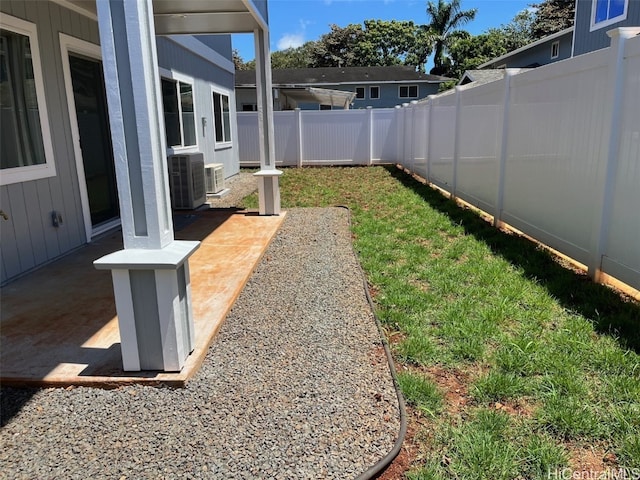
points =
(268, 176)
(151, 275)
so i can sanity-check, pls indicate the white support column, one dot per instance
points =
(607, 175)
(502, 159)
(268, 176)
(151, 274)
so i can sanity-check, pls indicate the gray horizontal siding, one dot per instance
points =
(172, 56)
(538, 55)
(586, 41)
(28, 237)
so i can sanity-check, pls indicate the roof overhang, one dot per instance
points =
(192, 17)
(323, 96)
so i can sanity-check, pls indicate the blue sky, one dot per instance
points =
(293, 22)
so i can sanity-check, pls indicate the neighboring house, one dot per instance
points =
(593, 18)
(552, 48)
(377, 87)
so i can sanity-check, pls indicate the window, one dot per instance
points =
(374, 92)
(179, 116)
(26, 151)
(555, 49)
(408, 91)
(325, 107)
(606, 12)
(359, 92)
(249, 107)
(222, 121)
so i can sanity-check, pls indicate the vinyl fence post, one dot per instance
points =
(456, 143)
(430, 99)
(504, 140)
(370, 121)
(399, 134)
(405, 134)
(608, 171)
(412, 135)
(298, 115)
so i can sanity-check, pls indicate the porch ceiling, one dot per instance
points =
(193, 17)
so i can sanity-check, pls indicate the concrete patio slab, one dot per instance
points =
(59, 326)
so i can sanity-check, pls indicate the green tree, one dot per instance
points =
(337, 48)
(299, 57)
(445, 18)
(551, 16)
(238, 61)
(385, 43)
(376, 43)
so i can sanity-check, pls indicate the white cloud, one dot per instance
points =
(294, 40)
(290, 40)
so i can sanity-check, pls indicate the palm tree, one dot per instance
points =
(445, 19)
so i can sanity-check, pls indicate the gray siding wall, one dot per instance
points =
(538, 55)
(172, 56)
(28, 238)
(219, 43)
(389, 95)
(586, 41)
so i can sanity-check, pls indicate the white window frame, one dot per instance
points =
(555, 48)
(180, 78)
(364, 93)
(610, 21)
(408, 91)
(371, 89)
(227, 93)
(47, 169)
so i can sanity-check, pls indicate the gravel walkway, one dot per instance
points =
(296, 386)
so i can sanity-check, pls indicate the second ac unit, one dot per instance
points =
(214, 177)
(186, 179)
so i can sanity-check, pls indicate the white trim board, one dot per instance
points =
(27, 173)
(69, 44)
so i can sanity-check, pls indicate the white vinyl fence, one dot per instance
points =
(327, 137)
(554, 151)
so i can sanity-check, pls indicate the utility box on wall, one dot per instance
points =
(186, 180)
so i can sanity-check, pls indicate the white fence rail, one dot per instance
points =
(554, 152)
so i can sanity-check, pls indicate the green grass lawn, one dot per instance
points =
(514, 365)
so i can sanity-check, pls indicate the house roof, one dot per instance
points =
(553, 36)
(337, 75)
(487, 75)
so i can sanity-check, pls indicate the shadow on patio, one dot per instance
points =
(59, 325)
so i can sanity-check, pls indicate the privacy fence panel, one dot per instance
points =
(286, 134)
(555, 144)
(248, 140)
(479, 143)
(622, 251)
(442, 141)
(384, 138)
(335, 137)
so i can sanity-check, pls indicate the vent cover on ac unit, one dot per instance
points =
(214, 177)
(186, 178)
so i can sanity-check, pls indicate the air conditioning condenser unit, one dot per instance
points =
(186, 180)
(214, 177)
